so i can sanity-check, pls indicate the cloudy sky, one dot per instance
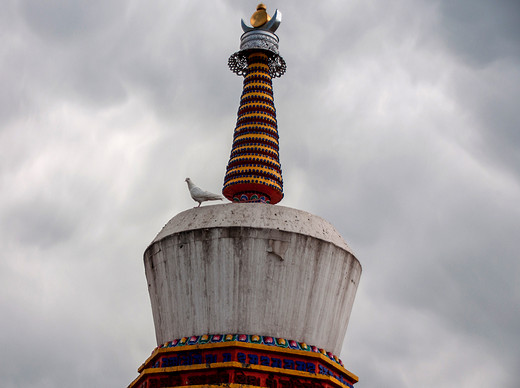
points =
(399, 124)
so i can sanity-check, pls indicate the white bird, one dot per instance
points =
(200, 195)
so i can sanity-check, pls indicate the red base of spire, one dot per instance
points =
(251, 192)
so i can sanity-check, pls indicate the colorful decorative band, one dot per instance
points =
(247, 128)
(260, 149)
(254, 159)
(259, 168)
(256, 137)
(250, 138)
(251, 197)
(257, 180)
(245, 167)
(258, 172)
(256, 119)
(257, 103)
(258, 66)
(258, 75)
(234, 179)
(269, 115)
(236, 187)
(259, 94)
(256, 128)
(259, 116)
(257, 88)
(267, 140)
(262, 185)
(252, 339)
(237, 364)
(266, 167)
(254, 70)
(256, 83)
(255, 106)
(254, 96)
(264, 98)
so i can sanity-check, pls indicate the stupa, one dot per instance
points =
(250, 293)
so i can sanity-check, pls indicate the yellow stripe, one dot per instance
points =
(260, 64)
(256, 66)
(239, 151)
(257, 93)
(250, 158)
(239, 344)
(254, 170)
(257, 84)
(256, 136)
(268, 128)
(257, 73)
(261, 181)
(263, 115)
(252, 104)
(250, 147)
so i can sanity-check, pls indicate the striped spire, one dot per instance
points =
(254, 173)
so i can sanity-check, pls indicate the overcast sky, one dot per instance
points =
(398, 122)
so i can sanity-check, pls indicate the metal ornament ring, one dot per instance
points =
(237, 63)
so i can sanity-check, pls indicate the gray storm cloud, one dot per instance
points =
(397, 124)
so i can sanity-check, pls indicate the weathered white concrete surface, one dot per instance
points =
(252, 269)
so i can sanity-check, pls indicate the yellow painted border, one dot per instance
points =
(245, 127)
(256, 103)
(246, 345)
(252, 171)
(247, 149)
(250, 180)
(260, 64)
(255, 136)
(253, 84)
(252, 93)
(255, 159)
(259, 73)
(269, 115)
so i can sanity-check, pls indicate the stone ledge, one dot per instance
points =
(254, 215)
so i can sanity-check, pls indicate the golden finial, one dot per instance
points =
(260, 17)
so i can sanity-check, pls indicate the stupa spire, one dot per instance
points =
(250, 295)
(254, 173)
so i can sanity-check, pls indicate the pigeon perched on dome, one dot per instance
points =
(200, 195)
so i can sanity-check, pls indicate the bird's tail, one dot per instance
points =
(214, 197)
